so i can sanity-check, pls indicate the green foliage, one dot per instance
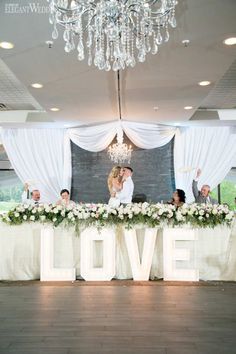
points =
(102, 215)
(228, 193)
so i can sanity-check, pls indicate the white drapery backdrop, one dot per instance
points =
(44, 155)
(212, 149)
(37, 155)
(97, 137)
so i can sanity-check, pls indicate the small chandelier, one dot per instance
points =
(120, 152)
(115, 33)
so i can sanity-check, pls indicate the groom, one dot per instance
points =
(126, 193)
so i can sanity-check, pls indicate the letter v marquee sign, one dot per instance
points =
(140, 268)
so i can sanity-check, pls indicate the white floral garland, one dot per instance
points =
(151, 215)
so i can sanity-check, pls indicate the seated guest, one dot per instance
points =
(31, 198)
(202, 196)
(65, 198)
(178, 198)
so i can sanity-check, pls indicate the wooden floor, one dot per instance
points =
(124, 317)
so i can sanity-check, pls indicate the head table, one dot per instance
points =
(40, 251)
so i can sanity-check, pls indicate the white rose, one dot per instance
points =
(70, 215)
(25, 217)
(179, 216)
(16, 215)
(229, 216)
(54, 219)
(42, 218)
(32, 218)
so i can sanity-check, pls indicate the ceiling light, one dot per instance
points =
(185, 42)
(54, 109)
(230, 41)
(37, 85)
(188, 107)
(113, 34)
(204, 83)
(6, 45)
(49, 44)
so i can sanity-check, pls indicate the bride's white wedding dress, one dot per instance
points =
(114, 202)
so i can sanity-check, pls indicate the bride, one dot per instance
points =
(115, 184)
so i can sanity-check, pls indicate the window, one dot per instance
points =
(226, 191)
(10, 185)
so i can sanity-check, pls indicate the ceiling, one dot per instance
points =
(85, 95)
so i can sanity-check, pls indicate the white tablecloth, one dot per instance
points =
(20, 252)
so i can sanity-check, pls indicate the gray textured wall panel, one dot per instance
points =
(153, 173)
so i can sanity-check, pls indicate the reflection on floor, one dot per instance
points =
(117, 317)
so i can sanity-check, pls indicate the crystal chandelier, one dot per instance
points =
(115, 33)
(120, 152)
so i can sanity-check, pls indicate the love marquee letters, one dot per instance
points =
(106, 237)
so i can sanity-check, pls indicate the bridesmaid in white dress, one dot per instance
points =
(115, 184)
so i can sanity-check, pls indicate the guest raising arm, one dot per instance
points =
(31, 198)
(202, 196)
